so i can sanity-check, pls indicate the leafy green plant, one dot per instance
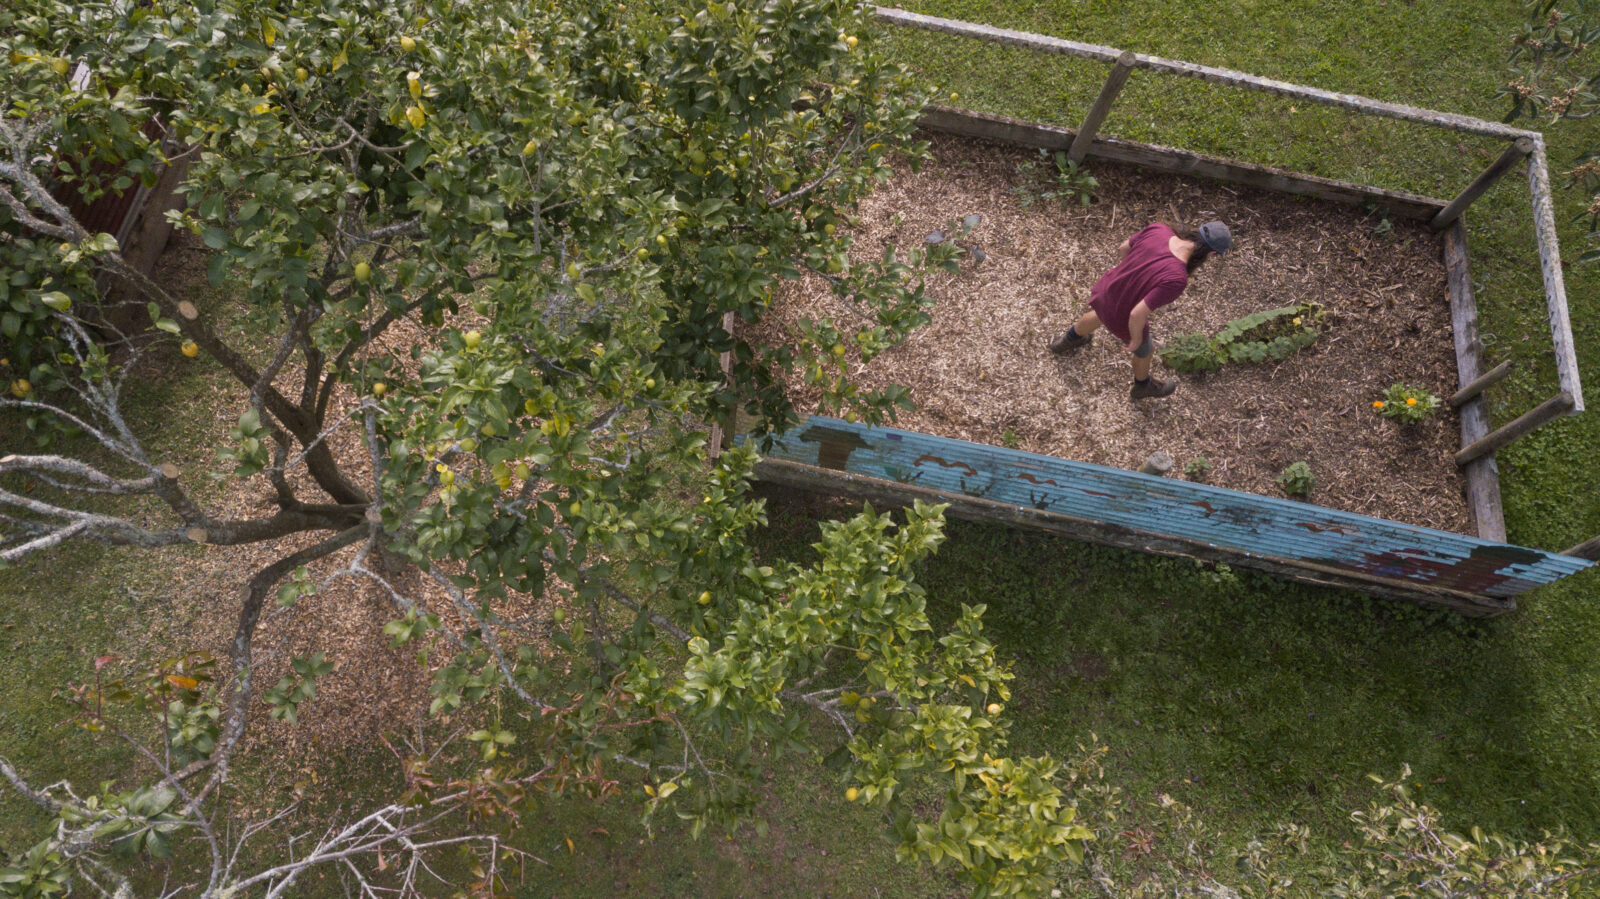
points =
(1009, 438)
(1258, 337)
(1195, 469)
(1068, 183)
(1297, 479)
(1406, 403)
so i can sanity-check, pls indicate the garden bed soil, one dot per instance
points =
(981, 371)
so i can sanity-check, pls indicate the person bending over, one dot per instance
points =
(1154, 269)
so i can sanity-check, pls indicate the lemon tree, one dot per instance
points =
(578, 202)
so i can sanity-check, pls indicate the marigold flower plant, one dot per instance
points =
(1408, 404)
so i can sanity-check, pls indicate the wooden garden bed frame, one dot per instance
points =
(1408, 573)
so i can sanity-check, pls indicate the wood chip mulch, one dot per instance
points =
(981, 371)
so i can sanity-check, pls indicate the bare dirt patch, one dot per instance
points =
(981, 371)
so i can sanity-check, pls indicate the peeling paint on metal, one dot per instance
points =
(1230, 520)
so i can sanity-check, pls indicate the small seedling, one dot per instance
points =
(1297, 479)
(1070, 182)
(1196, 468)
(1406, 403)
(1010, 439)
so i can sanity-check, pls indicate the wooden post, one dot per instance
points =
(1519, 150)
(1554, 407)
(1158, 464)
(1482, 474)
(1479, 384)
(1102, 105)
(1589, 549)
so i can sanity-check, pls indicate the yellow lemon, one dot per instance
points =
(705, 597)
(472, 339)
(995, 708)
(407, 43)
(190, 348)
(851, 794)
(21, 388)
(529, 148)
(363, 272)
(851, 42)
(379, 388)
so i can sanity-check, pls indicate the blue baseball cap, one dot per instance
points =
(1216, 236)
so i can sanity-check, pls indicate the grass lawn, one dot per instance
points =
(1250, 699)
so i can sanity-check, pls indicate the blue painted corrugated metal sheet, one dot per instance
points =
(1227, 519)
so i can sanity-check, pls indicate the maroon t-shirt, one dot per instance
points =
(1149, 272)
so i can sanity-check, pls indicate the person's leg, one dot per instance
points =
(1078, 335)
(1141, 367)
(1143, 384)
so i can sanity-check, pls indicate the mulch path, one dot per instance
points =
(981, 371)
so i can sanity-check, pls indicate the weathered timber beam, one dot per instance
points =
(1483, 473)
(1518, 151)
(1102, 106)
(1554, 407)
(892, 493)
(1555, 287)
(1004, 129)
(1588, 549)
(1063, 47)
(1479, 384)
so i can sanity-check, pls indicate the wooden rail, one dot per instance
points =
(1004, 129)
(1518, 151)
(1552, 408)
(1479, 384)
(1102, 107)
(1538, 171)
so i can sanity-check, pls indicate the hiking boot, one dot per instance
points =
(1069, 342)
(1153, 388)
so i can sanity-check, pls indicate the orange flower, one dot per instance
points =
(1377, 404)
(1411, 401)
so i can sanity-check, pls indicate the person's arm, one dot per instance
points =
(1137, 319)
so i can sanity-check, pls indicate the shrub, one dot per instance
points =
(1196, 468)
(1297, 479)
(1406, 403)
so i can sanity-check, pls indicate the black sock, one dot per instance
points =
(1072, 333)
(1143, 380)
